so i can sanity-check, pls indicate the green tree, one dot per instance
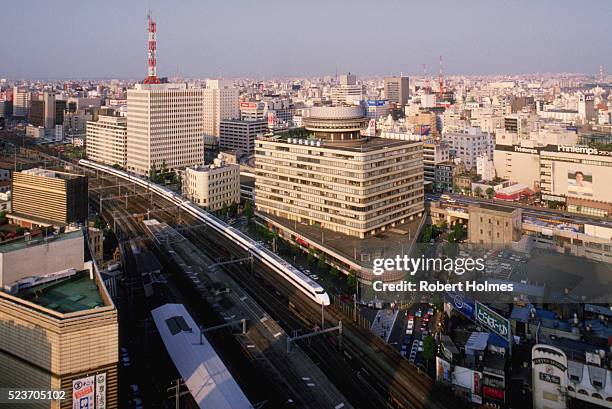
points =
(478, 191)
(248, 210)
(321, 264)
(490, 192)
(334, 272)
(351, 281)
(311, 256)
(429, 349)
(295, 250)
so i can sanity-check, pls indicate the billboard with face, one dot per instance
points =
(580, 183)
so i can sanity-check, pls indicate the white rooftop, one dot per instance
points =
(205, 375)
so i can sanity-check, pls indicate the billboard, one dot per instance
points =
(492, 320)
(377, 102)
(101, 391)
(580, 183)
(83, 393)
(461, 303)
(443, 370)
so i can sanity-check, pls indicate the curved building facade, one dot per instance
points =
(337, 124)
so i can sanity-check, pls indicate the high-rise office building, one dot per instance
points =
(49, 109)
(220, 102)
(48, 197)
(36, 113)
(21, 101)
(107, 140)
(397, 90)
(586, 107)
(348, 92)
(240, 135)
(165, 127)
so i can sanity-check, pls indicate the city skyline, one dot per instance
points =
(245, 39)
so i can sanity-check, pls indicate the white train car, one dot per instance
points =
(300, 281)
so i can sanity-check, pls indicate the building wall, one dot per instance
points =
(165, 127)
(107, 140)
(493, 227)
(42, 258)
(241, 135)
(44, 196)
(213, 187)
(397, 89)
(57, 348)
(220, 102)
(348, 191)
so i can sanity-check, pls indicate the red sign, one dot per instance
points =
(252, 105)
(493, 392)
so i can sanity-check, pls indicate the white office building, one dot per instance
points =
(165, 127)
(220, 102)
(213, 186)
(107, 140)
(21, 101)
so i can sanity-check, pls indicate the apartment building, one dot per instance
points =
(469, 144)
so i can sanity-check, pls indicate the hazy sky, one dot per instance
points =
(253, 38)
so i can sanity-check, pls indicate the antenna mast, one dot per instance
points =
(152, 47)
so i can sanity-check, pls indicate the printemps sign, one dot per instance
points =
(492, 320)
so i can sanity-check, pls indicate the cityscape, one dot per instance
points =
(348, 205)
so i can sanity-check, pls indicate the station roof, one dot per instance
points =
(205, 375)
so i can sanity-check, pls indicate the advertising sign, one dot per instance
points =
(580, 183)
(101, 391)
(83, 393)
(443, 370)
(493, 392)
(461, 303)
(492, 320)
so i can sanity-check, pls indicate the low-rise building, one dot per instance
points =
(494, 225)
(213, 186)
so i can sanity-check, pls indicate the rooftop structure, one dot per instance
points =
(205, 375)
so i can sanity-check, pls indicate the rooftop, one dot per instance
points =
(72, 294)
(22, 243)
(368, 145)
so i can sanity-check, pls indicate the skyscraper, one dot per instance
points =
(165, 127)
(21, 101)
(397, 90)
(220, 102)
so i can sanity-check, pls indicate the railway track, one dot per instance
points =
(384, 378)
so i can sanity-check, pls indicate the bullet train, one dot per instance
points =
(299, 280)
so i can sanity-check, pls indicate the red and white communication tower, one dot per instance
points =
(152, 29)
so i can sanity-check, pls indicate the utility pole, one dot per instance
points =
(177, 392)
